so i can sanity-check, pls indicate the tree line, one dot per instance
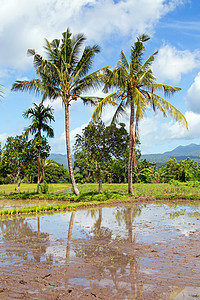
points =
(65, 73)
(100, 156)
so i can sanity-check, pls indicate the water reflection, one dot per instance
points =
(29, 245)
(133, 252)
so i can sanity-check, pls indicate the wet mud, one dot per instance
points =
(131, 252)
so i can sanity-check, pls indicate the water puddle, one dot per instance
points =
(146, 251)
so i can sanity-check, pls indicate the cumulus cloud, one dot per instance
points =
(176, 131)
(56, 104)
(153, 130)
(171, 63)
(29, 22)
(192, 97)
(58, 144)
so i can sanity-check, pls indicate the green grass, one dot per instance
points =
(142, 189)
(89, 195)
(25, 187)
(155, 190)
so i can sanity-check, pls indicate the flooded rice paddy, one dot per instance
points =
(147, 251)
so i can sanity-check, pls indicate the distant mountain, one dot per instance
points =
(59, 158)
(189, 149)
(179, 153)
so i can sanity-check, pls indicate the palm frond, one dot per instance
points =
(143, 37)
(76, 44)
(147, 64)
(124, 60)
(85, 63)
(91, 100)
(168, 107)
(140, 103)
(167, 89)
(111, 99)
(120, 111)
(1, 91)
(92, 81)
(33, 85)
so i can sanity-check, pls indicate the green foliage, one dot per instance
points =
(55, 172)
(185, 170)
(136, 86)
(44, 187)
(17, 156)
(64, 73)
(97, 149)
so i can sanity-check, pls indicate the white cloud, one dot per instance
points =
(56, 104)
(74, 132)
(29, 22)
(171, 63)
(3, 138)
(58, 145)
(176, 131)
(193, 95)
(156, 132)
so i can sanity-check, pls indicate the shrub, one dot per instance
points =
(44, 187)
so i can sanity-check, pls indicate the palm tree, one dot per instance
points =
(136, 86)
(40, 116)
(65, 75)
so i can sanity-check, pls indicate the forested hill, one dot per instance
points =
(179, 153)
(59, 158)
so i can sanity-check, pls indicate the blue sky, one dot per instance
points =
(174, 28)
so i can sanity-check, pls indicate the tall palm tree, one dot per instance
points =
(40, 117)
(136, 86)
(64, 74)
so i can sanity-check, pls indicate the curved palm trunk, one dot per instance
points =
(131, 157)
(71, 173)
(38, 178)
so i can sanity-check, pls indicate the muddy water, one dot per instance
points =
(128, 252)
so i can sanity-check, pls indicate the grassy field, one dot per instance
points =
(139, 189)
(53, 187)
(89, 196)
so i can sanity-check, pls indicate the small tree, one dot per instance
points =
(18, 154)
(99, 144)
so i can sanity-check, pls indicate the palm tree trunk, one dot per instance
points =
(70, 236)
(71, 173)
(38, 178)
(131, 151)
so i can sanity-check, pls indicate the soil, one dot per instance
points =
(104, 269)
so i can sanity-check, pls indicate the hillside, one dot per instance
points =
(179, 153)
(59, 158)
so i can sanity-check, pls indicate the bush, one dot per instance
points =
(44, 187)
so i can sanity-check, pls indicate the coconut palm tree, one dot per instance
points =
(64, 74)
(40, 117)
(136, 86)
